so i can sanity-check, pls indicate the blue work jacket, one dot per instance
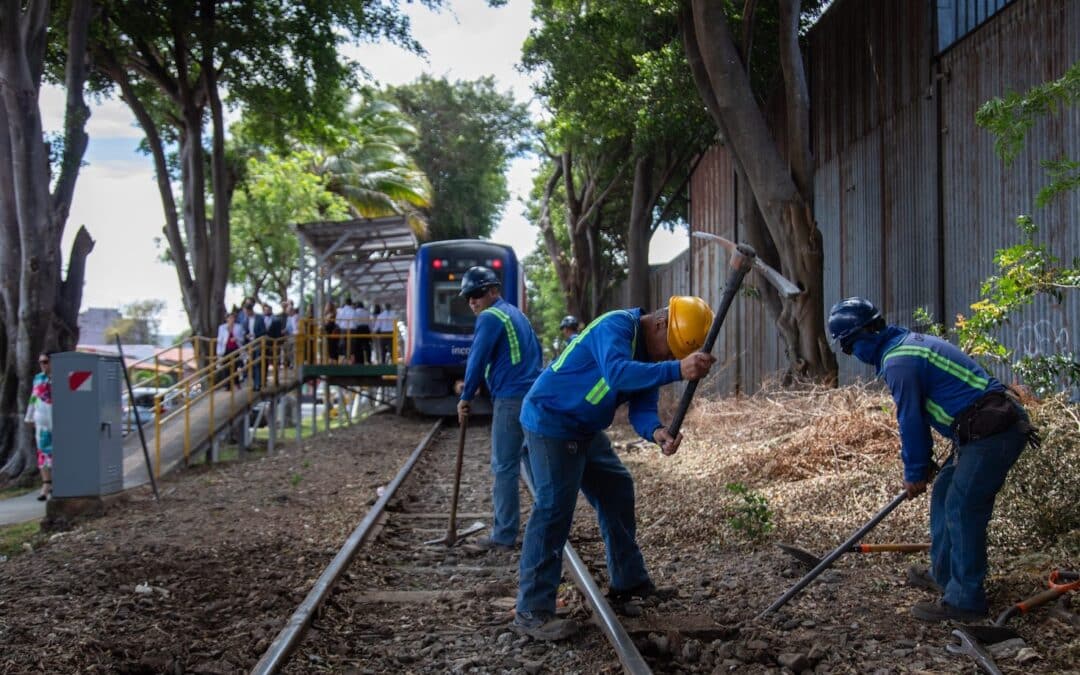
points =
(932, 381)
(606, 365)
(505, 352)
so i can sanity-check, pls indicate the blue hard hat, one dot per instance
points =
(478, 279)
(849, 316)
(569, 321)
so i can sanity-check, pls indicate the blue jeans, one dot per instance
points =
(559, 469)
(507, 442)
(960, 508)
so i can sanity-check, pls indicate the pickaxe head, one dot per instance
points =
(785, 287)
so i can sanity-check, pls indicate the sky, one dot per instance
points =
(116, 197)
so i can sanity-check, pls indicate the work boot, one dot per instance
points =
(936, 612)
(646, 591)
(919, 577)
(543, 627)
(489, 545)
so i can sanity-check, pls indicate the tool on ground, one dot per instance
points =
(974, 639)
(804, 556)
(138, 422)
(743, 259)
(452, 535)
(840, 550)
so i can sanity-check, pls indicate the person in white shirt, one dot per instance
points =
(346, 323)
(385, 323)
(362, 326)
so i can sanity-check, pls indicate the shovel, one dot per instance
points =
(975, 639)
(828, 560)
(811, 560)
(452, 535)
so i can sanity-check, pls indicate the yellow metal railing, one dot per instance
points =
(202, 372)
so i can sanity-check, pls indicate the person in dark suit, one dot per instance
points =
(255, 329)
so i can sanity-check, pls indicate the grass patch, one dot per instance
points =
(11, 492)
(12, 537)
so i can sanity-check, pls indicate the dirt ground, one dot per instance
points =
(202, 582)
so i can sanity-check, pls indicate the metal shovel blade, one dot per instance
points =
(990, 635)
(449, 540)
(800, 554)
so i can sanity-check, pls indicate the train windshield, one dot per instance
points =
(450, 311)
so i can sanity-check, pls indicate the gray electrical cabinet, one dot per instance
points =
(88, 443)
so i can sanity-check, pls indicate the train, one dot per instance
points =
(439, 324)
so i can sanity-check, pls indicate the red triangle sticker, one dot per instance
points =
(78, 378)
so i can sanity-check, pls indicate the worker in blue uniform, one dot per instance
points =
(569, 328)
(624, 356)
(506, 355)
(936, 385)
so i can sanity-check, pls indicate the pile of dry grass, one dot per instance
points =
(1038, 506)
(791, 435)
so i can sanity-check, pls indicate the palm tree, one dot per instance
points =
(367, 166)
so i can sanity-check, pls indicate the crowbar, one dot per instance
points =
(743, 259)
(804, 556)
(973, 639)
(452, 535)
(840, 550)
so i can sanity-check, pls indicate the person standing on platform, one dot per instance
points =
(506, 354)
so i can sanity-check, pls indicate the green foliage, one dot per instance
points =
(1026, 270)
(468, 133)
(277, 193)
(295, 479)
(753, 518)
(139, 325)
(546, 302)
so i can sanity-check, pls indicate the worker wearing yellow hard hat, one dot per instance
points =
(624, 356)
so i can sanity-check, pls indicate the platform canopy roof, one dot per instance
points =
(370, 256)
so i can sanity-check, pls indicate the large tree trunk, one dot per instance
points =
(786, 209)
(639, 232)
(36, 310)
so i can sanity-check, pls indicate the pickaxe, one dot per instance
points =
(743, 259)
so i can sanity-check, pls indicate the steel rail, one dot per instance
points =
(286, 641)
(629, 656)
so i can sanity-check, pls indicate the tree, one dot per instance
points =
(279, 61)
(140, 324)
(276, 193)
(39, 305)
(468, 133)
(780, 222)
(367, 165)
(622, 92)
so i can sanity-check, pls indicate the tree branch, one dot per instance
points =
(76, 112)
(800, 154)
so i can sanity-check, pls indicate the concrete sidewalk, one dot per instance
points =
(226, 407)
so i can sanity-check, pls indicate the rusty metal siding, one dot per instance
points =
(1027, 43)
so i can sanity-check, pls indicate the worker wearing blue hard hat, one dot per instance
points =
(506, 355)
(936, 385)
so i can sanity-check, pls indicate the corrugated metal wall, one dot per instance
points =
(911, 200)
(890, 231)
(1029, 42)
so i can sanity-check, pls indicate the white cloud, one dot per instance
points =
(108, 119)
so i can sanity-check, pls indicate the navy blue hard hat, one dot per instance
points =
(849, 316)
(478, 279)
(569, 321)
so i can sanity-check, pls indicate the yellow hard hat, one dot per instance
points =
(689, 319)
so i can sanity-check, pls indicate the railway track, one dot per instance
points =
(389, 602)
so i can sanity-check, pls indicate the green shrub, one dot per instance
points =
(752, 518)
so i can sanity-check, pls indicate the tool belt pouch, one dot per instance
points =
(992, 414)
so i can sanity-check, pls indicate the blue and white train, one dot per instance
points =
(440, 323)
